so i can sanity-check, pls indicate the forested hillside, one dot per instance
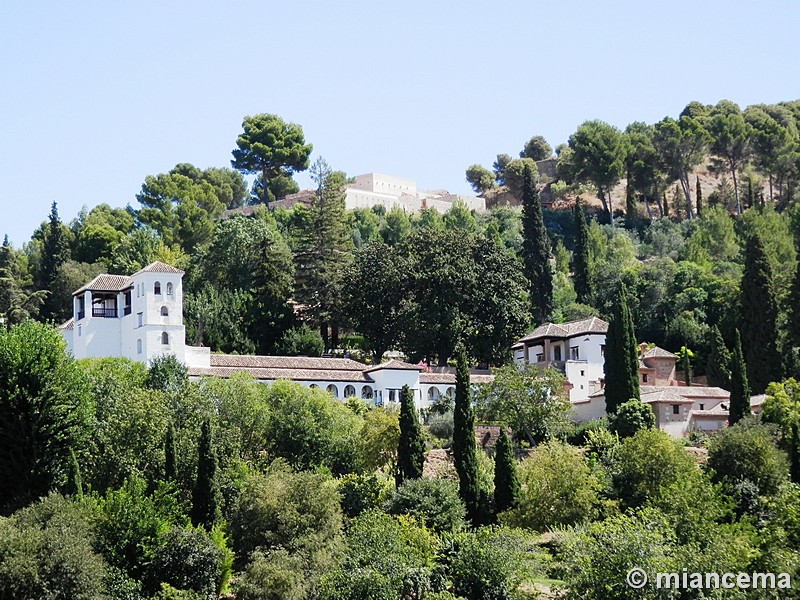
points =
(132, 482)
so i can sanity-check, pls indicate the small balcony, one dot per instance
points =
(104, 312)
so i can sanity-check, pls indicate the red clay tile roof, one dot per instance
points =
(567, 330)
(656, 352)
(106, 283)
(67, 325)
(396, 365)
(159, 267)
(286, 362)
(291, 374)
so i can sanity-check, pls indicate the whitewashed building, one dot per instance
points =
(140, 317)
(375, 189)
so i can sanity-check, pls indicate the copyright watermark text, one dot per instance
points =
(637, 579)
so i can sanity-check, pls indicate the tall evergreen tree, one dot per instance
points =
(759, 318)
(411, 444)
(74, 483)
(206, 495)
(170, 463)
(536, 250)
(718, 372)
(580, 258)
(464, 447)
(794, 311)
(740, 390)
(794, 453)
(665, 204)
(506, 484)
(55, 252)
(322, 247)
(621, 366)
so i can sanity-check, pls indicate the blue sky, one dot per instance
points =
(97, 95)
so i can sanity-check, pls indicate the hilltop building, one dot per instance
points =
(140, 317)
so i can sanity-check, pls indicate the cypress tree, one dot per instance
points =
(665, 202)
(464, 448)
(170, 465)
(205, 496)
(536, 250)
(581, 256)
(740, 390)
(759, 318)
(621, 365)
(55, 252)
(699, 194)
(506, 484)
(718, 372)
(411, 445)
(74, 483)
(687, 367)
(794, 453)
(794, 311)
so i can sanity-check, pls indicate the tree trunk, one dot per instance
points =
(771, 197)
(334, 335)
(647, 207)
(323, 331)
(657, 196)
(602, 196)
(264, 191)
(684, 181)
(736, 189)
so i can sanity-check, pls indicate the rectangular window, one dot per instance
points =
(540, 358)
(79, 331)
(644, 377)
(602, 350)
(574, 353)
(139, 319)
(583, 373)
(676, 409)
(702, 407)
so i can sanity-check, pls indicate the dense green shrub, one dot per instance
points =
(361, 492)
(434, 501)
(275, 575)
(46, 551)
(631, 416)
(441, 425)
(186, 559)
(301, 341)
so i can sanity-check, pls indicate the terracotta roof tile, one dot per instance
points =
(397, 365)
(567, 330)
(159, 267)
(106, 283)
(291, 374)
(656, 352)
(67, 325)
(286, 362)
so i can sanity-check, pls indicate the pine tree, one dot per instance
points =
(536, 250)
(699, 194)
(464, 447)
(581, 256)
(631, 210)
(506, 484)
(718, 371)
(170, 464)
(55, 252)
(411, 445)
(205, 496)
(621, 366)
(74, 486)
(740, 390)
(759, 318)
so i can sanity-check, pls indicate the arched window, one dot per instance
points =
(164, 311)
(451, 392)
(157, 288)
(333, 390)
(169, 288)
(349, 391)
(366, 392)
(433, 394)
(165, 338)
(138, 346)
(313, 386)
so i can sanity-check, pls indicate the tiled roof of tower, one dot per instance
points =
(67, 325)
(159, 267)
(567, 330)
(656, 352)
(106, 283)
